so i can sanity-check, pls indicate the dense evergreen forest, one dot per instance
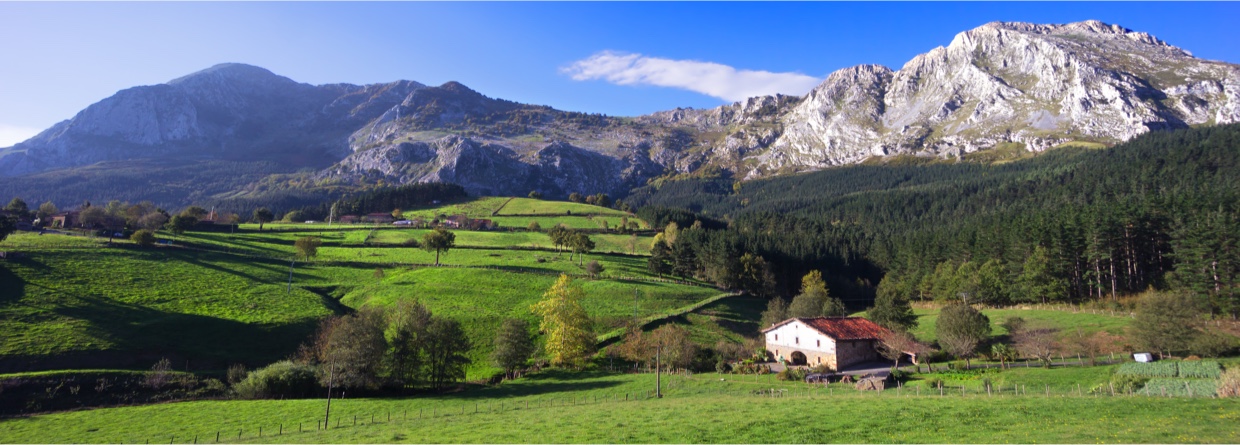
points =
(1071, 225)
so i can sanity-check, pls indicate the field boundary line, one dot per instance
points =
(501, 206)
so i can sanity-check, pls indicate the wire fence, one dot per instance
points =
(683, 385)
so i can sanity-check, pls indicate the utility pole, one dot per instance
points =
(658, 381)
(331, 376)
(635, 303)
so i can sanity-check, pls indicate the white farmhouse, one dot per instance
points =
(838, 342)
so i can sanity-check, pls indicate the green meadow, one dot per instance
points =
(246, 297)
(591, 407)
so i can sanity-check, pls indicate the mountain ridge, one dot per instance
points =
(1037, 86)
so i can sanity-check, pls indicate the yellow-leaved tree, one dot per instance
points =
(570, 340)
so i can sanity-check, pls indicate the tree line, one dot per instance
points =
(1069, 225)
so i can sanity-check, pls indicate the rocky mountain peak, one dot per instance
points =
(233, 75)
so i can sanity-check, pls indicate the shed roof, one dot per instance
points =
(839, 328)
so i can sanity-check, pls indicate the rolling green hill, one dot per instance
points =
(216, 298)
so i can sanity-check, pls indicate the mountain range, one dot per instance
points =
(1024, 87)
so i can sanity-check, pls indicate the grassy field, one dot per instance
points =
(122, 299)
(590, 407)
(81, 302)
(492, 296)
(526, 206)
(1064, 320)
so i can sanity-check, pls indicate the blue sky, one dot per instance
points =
(60, 57)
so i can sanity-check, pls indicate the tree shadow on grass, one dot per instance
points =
(136, 337)
(548, 382)
(12, 287)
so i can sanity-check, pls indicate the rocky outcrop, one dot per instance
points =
(490, 168)
(1040, 85)
(229, 111)
(1036, 85)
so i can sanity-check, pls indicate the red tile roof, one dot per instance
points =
(844, 328)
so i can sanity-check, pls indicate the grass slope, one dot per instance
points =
(1060, 319)
(82, 302)
(527, 206)
(706, 408)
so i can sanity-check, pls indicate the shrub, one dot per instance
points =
(1200, 369)
(158, 375)
(1229, 383)
(791, 375)
(236, 373)
(722, 366)
(934, 382)
(822, 369)
(1180, 387)
(1125, 384)
(143, 237)
(899, 375)
(1213, 344)
(280, 379)
(1156, 369)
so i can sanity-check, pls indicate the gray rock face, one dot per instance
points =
(1037, 85)
(229, 111)
(1040, 85)
(491, 168)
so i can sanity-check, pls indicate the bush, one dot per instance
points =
(748, 367)
(1126, 384)
(791, 375)
(934, 382)
(280, 379)
(1200, 369)
(236, 373)
(1156, 369)
(722, 367)
(822, 369)
(1213, 344)
(143, 237)
(899, 375)
(1229, 383)
(1180, 387)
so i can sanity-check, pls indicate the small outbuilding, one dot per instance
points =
(838, 342)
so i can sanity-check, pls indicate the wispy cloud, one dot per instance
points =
(12, 134)
(712, 79)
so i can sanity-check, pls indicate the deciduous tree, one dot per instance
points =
(446, 349)
(895, 344)
(308, 246)
(814, 300)
(570, 339)
(262, 216)
(143, 238)
(961, 329)
(1166, 322)
(1038, 343)
(352, 348)
(776, 311)
(513, 346)
(438, 241)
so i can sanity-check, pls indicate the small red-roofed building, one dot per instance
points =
(838, 342)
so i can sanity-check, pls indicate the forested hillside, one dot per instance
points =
(1071, 224)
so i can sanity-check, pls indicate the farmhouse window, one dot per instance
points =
(819, 343)
(797, 340)
(776, 337)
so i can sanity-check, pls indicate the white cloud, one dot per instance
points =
(708, 78)
(12, 134)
